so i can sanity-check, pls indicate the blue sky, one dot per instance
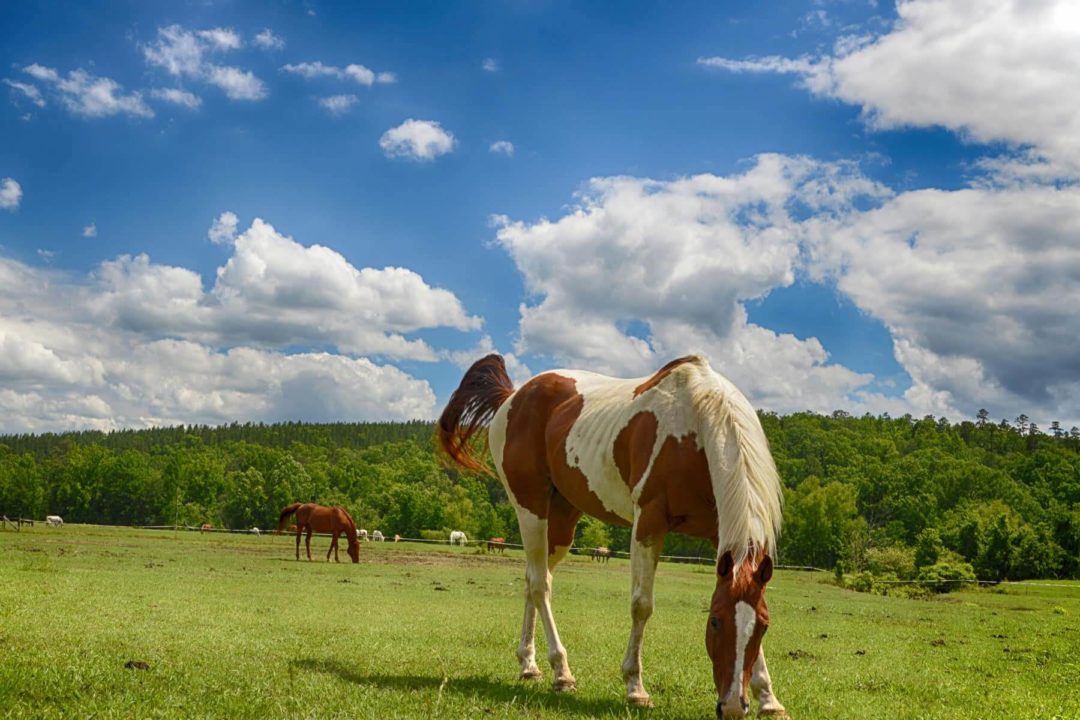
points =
(845, 205)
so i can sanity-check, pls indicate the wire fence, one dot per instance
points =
(683, 559)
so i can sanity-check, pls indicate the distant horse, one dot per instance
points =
(377, 536)
(254, 531)
(54, 521)
(397, 538)
(496, 543)
(458, 538)
(601, 554)
(205, 527)
(362, 534)
(681, 450)
(316, 518)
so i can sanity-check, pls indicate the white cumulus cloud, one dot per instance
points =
(10, 194)
(338, 104)
(679, 258)
(421, 140)
(137, 343)
(88, 95)
(994, 70)
(359, 74)
(267, 40)
(502, 147)
(176, 96)
(223, 230)
(222, 38)
(30, 92)
(184, 53)
(90, 230)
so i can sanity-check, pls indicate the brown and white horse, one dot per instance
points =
(318, 518)
(682, 450)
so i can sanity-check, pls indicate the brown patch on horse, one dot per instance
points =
(634, 445)
(570, 482)
(663, 372)
(485, 387)
(678, 494)
(523, 462)
(562, 521)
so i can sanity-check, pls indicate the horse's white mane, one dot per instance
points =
(746, 484)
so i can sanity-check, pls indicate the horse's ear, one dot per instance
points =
(764, 570)
(725, 565)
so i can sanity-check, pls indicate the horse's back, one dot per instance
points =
(672, 439)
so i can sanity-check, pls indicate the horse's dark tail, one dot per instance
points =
(285, 513)
(484, 388)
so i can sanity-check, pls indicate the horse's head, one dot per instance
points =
(354, 545)
(738, 618)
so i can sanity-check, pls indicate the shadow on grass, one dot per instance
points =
(500, 693)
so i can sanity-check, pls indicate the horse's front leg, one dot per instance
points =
(307, 542)
(297, 543)
(643, 559)
(761, 685)
(333, 545)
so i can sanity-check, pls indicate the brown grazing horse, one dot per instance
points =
(601, 554)
(496, 543)
(679, 451)
(317, 518)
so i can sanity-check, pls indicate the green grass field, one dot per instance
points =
(232, 626)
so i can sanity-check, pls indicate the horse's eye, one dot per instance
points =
(714, 622)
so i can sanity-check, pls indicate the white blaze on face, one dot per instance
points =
(745, 621)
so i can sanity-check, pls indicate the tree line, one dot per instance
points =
(861, 493)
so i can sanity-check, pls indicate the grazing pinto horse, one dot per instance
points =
(205, 527)
(317, 518)
(497, 544)
(682, 451)
(601, 554)
(362, 534)
(54, 521)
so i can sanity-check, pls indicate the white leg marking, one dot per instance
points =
(761, 684)
(538, 581)
(526, 651)
(643, 560)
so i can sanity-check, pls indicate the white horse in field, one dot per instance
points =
(54, 521)
(361, 535)
(377, 536)
(254, 531)
(458, 538)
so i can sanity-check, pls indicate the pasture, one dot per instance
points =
(232, 626)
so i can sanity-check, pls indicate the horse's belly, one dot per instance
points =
(600, 497)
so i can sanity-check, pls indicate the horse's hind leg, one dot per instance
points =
(333, 549)
(562, 518)
(534, 536)
(297, 542)
(307, 542)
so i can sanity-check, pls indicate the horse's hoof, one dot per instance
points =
(639, 700)
(565, 685)
(532, 674)
(780, 713)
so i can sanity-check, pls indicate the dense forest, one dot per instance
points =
(862, 493)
